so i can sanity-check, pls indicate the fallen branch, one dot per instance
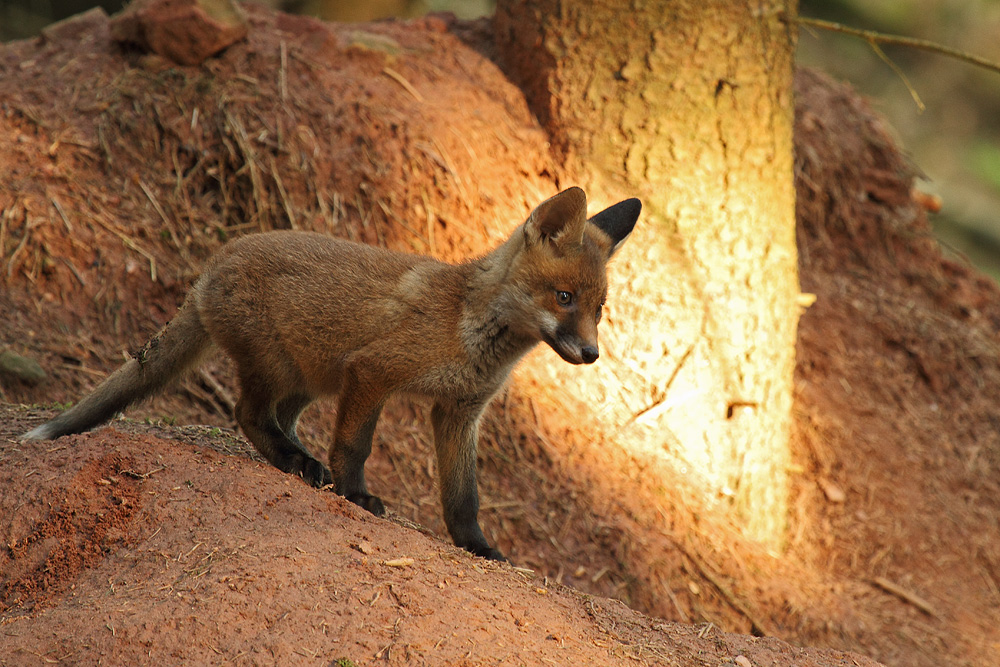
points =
(906, 596)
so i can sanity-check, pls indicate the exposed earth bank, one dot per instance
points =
(150, 542)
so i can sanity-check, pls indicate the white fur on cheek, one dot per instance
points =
(548, 324)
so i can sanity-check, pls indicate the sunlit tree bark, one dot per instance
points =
(687, 104)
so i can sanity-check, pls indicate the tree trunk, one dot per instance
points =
(688, 105)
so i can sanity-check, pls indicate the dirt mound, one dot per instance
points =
(124, 172)
(183, 554)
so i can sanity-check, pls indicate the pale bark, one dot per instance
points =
(688, 105)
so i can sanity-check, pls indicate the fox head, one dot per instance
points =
(561, 270)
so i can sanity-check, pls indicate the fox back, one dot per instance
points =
(304, 315)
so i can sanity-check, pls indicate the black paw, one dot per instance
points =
(487, 552)
(315, 473)
(369, 502)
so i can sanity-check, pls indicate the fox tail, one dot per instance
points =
(176, 348)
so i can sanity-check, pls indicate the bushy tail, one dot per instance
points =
(177, 347)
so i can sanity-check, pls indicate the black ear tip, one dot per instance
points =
(618, 220)
(628, 209)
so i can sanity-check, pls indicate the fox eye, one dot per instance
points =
(564, 298)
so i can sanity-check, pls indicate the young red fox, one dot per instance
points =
(304, 315)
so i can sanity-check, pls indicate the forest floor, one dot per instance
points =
(153, 542)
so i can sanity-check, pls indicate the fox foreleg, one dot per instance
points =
(357, 416)
(455, 435)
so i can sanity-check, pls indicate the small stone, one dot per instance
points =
(364, 547)
(77, 26)
(833, 493)
(15, 366)
(186, 31)
(742, 661)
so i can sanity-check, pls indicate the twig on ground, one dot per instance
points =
(401, 80)
(906, 596)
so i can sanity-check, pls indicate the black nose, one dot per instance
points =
(589, 354)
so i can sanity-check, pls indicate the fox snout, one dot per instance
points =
(574, 353)
(569, 327)
(572, 348)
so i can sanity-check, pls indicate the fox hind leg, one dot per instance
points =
(257, 413)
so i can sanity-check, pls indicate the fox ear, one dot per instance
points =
(560, 219)
(617, 221)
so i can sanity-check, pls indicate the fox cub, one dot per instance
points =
(304, 315)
